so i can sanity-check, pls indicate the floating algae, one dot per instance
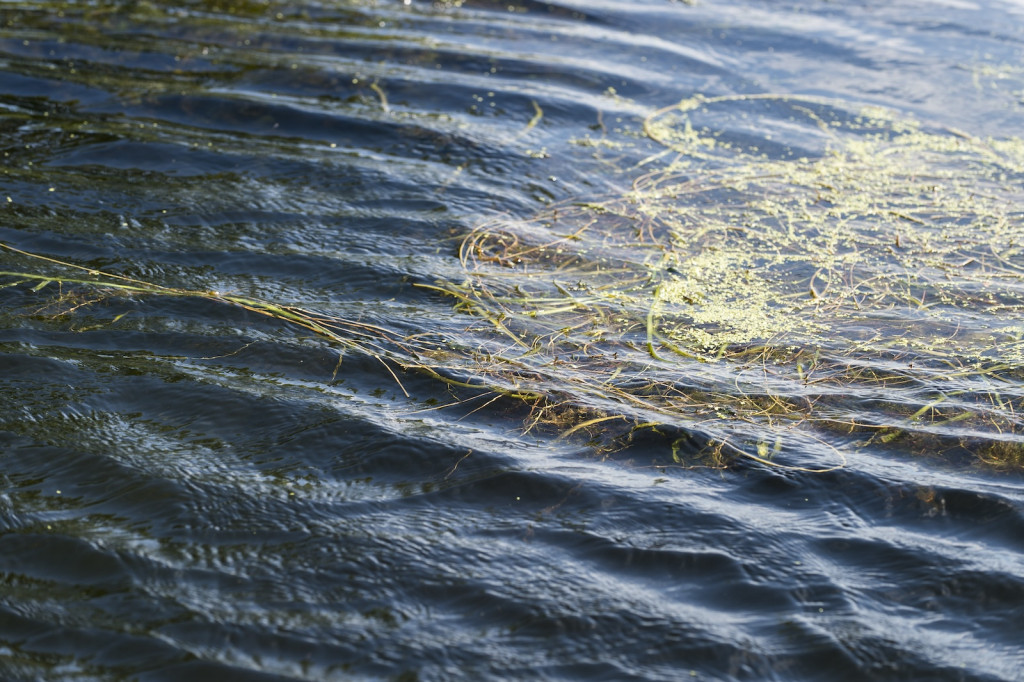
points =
(806, 285)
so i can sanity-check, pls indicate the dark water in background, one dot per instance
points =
(188, 491)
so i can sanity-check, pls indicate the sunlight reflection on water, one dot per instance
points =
(194, 489)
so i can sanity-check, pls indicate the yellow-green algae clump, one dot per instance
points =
(895, 236)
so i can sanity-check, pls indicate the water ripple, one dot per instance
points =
(191, 489)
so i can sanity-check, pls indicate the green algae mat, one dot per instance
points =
(786, 302)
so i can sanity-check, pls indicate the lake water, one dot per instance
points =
(634, 340)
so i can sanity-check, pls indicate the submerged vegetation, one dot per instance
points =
(793, 303)
(861, 287)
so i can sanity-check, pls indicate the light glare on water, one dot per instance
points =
(412, 340)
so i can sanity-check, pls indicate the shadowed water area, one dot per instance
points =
(634, 340)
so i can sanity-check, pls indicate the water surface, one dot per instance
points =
(192, 489)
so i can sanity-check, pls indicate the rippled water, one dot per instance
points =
(191, 489)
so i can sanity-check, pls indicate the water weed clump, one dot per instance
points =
(793, 296)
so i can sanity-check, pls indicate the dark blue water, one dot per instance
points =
(193, 490)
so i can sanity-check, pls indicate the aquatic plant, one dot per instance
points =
(347, 334)
(789, 302)
(861, 290)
